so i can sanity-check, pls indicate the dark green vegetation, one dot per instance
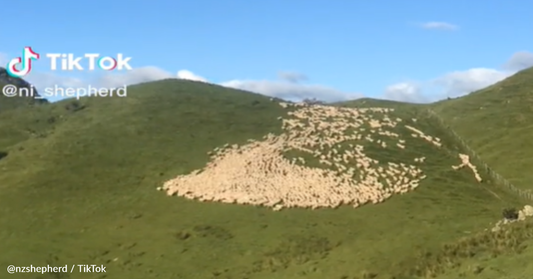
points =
(503, 254)
(12, 103)
(78, 187)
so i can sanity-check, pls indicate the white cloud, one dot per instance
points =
(41, 80)
(291, 85)
(289, 88)
(519, 61)
(404, 91)
(134, 76)
(291, 91)
(458, 83)
(453, 84)
(439, 25)
(291, 76)
(185, 74)
(144, 74)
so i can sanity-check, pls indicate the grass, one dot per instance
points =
(504, 254)
(497, 122)
(7, 103)
(78, 187)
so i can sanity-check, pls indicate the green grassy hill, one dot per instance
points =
(497, 123)
(514, 265)
(78, 185)
(7, 103)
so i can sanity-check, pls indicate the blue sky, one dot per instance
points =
(336, 49)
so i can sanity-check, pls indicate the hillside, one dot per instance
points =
(7, 103)
(78, 185)
(497, 122)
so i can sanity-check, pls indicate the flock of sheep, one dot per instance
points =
(259, 173)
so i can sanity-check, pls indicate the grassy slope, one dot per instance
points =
(7, 103)
(497, 122)
(512, 265)
(83, 191)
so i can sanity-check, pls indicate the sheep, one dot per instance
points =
(465, 162)
(257, 173)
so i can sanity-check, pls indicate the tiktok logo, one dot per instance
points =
(25, 63)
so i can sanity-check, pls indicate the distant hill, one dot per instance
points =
(497, 122)
(369, 102)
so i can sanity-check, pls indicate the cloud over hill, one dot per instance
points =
(439, 25)
(457, 83)
(292, 85)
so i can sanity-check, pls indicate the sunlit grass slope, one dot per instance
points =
(9, 103)
(497, 122)
(81, 188)
(503, 259)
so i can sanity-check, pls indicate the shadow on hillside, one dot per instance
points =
(3, 155)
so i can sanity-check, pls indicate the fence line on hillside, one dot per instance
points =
(473, 155)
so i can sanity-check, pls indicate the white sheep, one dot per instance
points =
(257, 173)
